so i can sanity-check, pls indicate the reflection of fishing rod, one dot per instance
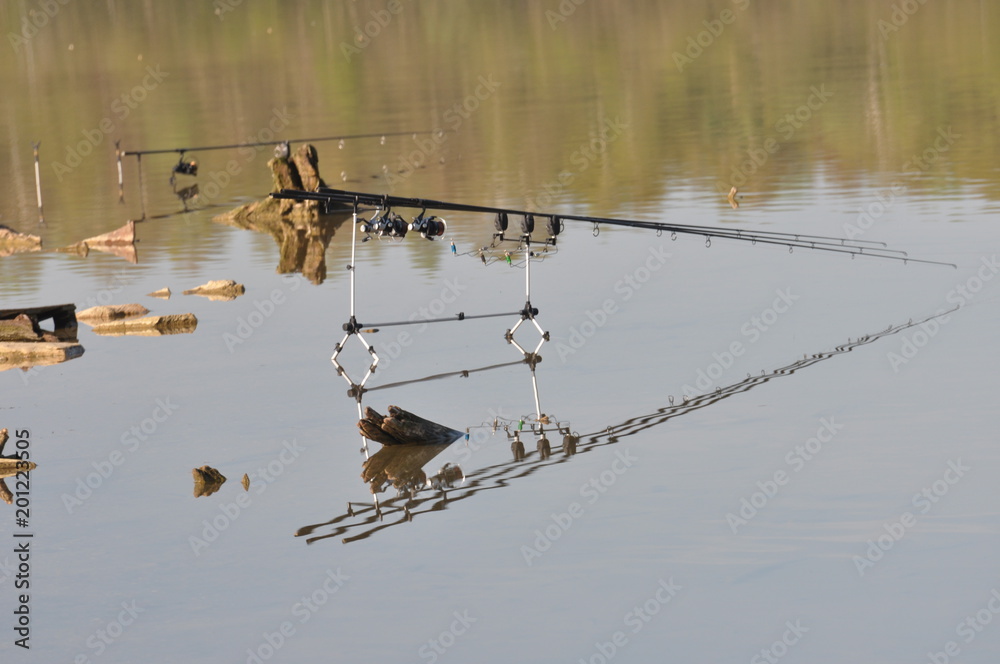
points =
(233, 146)
(464, 373)
(501, 475)
(555, 223)
(184, 167)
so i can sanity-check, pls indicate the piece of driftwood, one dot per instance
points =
(402, 427)
(21, 355)
(112, 312)
(14, 242)
(399, 465)
(299, 170)
(151, 326)
(218, 289)
(207, 480)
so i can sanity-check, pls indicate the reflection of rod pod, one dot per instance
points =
(544, 449)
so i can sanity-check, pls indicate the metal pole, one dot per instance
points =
(121, 178)
(38, 185)
(354, 245)
(142, 188)
(527, 272)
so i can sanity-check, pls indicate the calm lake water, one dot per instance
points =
(827, 493)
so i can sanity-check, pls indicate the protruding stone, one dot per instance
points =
(163, 294)
(14, 242)
(207, 480)
(220, 289)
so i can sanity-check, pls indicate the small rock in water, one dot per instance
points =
(163, 293)
(207, 480)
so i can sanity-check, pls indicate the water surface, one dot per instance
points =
(633, 548)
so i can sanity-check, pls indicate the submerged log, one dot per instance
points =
(402, 427)
(112, 312)
(14, 242)
(17, 354)
(150, 326)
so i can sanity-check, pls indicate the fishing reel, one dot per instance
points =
(184, 168)
(430, 227)
(385, 224)
(554, 226)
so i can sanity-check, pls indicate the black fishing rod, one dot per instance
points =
(389, 201)
(828, 243)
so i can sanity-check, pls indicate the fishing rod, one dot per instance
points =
(854, 247)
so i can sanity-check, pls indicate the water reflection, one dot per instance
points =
(423, 495)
